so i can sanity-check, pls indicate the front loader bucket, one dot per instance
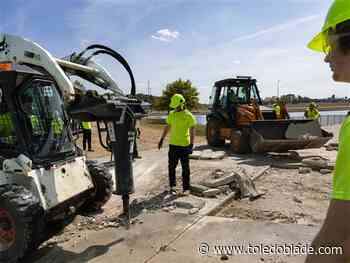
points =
(284, 135)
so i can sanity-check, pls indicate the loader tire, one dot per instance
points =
(213, 134)
(21, 220)
(103, 187)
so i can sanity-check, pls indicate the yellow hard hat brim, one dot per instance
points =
(174, 105)
(318, 43)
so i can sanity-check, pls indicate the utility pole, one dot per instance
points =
(149, 91)
(278, 88)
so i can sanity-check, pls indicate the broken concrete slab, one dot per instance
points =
(213, 183)
(207, 154)
(211, 192)
(246, 186)
(325, 171)
(189, 202)
(288, 165)
(224, 188)
(198, 189)
(316, 163)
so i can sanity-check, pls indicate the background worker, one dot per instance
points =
(284, 115)
(334, 40)
(312, 112)
(86, 135)
(181, 124)
(135, 153)
(277, 110)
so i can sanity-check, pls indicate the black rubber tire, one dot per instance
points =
(103, 183)
(212, 133)
(27, 215)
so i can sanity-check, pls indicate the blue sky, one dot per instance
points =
(200, 40)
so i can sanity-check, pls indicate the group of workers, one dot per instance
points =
(35, 125)
(281, 111)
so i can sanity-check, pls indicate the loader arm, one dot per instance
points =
(18, 50)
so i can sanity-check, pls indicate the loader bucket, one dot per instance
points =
(284, 135)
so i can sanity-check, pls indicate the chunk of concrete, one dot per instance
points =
(213, 183)
(196, 155)
(325, 171)
(198, 189)
(211, 192)
(316, 163)
(224, 188)
(189, 202)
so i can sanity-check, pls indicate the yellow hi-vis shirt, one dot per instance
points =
(277, 109)
(180, 123)
(86, 125)
(341, 177)
(312, 113)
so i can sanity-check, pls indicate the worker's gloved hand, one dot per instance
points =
(190, 148)
(160, 144)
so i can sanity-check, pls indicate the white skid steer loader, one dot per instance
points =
(44, 176)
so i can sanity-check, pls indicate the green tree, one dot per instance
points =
(182, 87)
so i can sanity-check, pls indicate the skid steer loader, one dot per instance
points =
(44, 176)
(237, 114)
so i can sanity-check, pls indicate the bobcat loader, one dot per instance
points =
(45, 178)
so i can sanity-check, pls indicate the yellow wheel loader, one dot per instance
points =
(236, 114)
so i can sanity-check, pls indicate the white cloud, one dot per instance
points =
(237, 62)
(277, 28)
(166, 35)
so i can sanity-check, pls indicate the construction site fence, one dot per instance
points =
(329, 120)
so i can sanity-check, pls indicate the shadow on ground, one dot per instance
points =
(55, 254)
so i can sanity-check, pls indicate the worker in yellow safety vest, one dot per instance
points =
(334, 41)
(7, 131)
(36, 124)
(181, 124)
(57, 125)
(312, 112)
(277, 110)
(86, 135)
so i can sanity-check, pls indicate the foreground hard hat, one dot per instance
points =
(176, 101)
(337, 13)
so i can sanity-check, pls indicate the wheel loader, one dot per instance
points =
(236, 114)
(45, 178)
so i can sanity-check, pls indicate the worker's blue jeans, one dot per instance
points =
(175, 154)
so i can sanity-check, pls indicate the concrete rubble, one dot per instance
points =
(305, 164)
(207, 154)
(221, 182)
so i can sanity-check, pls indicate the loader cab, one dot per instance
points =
(235, 91)
(32, 117)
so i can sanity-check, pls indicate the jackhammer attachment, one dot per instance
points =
(119, 118)
(284, 135)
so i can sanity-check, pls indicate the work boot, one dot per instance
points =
(173, 190)
(91, 150)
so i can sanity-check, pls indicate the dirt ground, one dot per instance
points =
(289, 197)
